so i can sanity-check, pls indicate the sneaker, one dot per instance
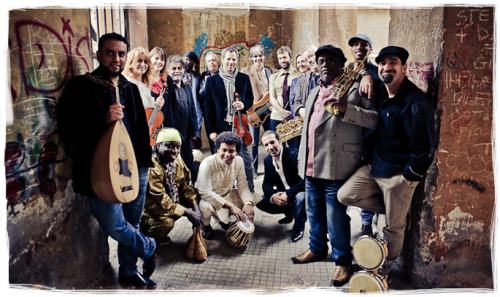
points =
(366, 230)
(341, 275)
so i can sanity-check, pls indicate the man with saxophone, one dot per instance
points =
(403, 151)
(86, 109)
(330, 150)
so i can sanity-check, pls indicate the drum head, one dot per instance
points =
(246, 226)
(366, 282)
(369, 253)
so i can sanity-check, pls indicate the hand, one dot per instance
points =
(248, 210)
(194, 217)
(238, 105)
(238, 213)
(366, 86)
(302, 112)
(340, 103)
(160, 101)
(285, 113)
(115, 113)
(277, 199)
(213, 136)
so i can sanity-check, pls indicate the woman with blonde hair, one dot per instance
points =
(137, 71)
(157, 78)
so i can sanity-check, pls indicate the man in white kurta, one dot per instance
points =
(223, 186)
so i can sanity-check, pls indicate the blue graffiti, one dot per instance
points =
(267, 43)
(200, 43)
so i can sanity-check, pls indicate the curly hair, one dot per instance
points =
(229, 138)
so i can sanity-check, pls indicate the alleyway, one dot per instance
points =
(263, 266)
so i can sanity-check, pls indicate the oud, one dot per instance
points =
(114, 172)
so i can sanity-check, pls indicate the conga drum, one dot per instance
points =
(367, 282)
(240, 233)
(370, 253)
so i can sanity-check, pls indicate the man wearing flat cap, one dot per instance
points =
(404, 149)
(330, 151)
(170, 194)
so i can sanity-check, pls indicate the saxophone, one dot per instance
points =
(290, 129)
(344, 82)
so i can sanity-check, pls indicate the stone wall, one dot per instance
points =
(51, 232)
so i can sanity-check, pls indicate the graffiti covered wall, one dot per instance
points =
(47, 47)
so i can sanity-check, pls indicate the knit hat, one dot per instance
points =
(168, 135)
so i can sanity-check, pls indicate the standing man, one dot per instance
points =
(212, 64)
(180, 111)
(279, 87)
(259, 78)
(305, 83)
(86, 108)
(221, 106)
(403, 152)
(330, 150)
(282, 186)
(191, 79)
(223, 186)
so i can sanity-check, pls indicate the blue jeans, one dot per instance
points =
(247, 161)
(366, 217)
(327, 215)
(255, 144)
(121, 222)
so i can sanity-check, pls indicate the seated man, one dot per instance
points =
(282, 186)
(169, 196)
(223, 185)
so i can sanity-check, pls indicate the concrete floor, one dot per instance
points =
(263, 266)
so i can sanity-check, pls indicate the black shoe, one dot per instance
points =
(136, 281)
(366, 230)
(149, 265)
(208, 232)
(286, 220)
(224, 226)
(297, 235)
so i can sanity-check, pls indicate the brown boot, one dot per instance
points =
(307, 257)
(341, 275)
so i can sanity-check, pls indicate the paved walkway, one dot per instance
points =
(264, 265)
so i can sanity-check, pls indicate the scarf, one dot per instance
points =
(229, 84)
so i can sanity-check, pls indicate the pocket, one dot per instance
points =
(407, 182)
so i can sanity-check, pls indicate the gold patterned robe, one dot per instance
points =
(160, 209)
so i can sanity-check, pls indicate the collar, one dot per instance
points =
(101, 73)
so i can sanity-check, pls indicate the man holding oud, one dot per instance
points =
(227, 93)
(87, 107)
(330, 150)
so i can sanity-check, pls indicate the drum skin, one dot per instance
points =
(367, 282)
(369, 253)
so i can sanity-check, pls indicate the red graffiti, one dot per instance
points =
(46, 69)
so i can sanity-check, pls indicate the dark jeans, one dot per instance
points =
(327, 215)
(121, 222)
(366, 217)
(256, 141)
(296, 207)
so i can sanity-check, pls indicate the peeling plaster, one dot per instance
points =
(460, 227)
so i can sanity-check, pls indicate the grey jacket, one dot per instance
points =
(339, 139)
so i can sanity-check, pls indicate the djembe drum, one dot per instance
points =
(240, 233)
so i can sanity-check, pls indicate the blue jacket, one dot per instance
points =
(405, 135)
(215, 100)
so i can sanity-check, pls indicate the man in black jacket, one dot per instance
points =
(86, 108)
(282, 186)
(404, 149)
(221, 106)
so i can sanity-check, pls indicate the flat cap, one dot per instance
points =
(328, 48)
(360, 36)
(392, 50)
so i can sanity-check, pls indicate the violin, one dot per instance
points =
(155, 120)
(259, 112)
(240, 125)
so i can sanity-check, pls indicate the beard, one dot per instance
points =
(387, 78)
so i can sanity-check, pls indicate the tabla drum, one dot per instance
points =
(240, 233)
(367, 282)
(370, 253)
